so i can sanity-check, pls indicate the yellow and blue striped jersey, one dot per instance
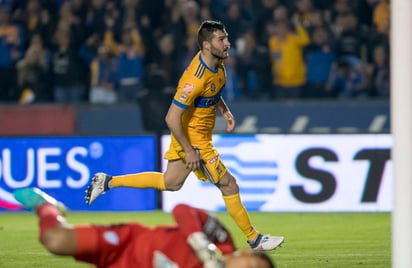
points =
(199, 92)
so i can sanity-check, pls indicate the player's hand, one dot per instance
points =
(230, 121)
(192, 160)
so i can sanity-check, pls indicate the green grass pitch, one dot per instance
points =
(312, 239)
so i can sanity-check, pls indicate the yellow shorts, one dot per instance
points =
(212, 168)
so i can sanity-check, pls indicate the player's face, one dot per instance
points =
(220, 45)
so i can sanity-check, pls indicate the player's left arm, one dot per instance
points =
(227, 115)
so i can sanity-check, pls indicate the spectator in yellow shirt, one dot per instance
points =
(381, 14)
(288, 65)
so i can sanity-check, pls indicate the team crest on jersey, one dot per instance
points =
(183, 97)
(188, 88)
(212, 87)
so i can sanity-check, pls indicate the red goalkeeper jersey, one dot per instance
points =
(137, 245)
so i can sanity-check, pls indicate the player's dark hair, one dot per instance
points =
(206, 30)
(264, 257)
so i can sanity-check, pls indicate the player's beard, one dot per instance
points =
(219, 54)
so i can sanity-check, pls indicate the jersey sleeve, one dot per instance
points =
(188, 89)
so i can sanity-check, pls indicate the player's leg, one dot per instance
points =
(139, 180)
(172, 180)
(102, 182)
(215, 171)
(175, 175)
(230, 191)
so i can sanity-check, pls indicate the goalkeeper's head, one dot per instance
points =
(249, 259)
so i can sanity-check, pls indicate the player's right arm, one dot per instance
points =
(174, 122)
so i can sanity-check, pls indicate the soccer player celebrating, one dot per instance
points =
(196, 240)
(191, 119)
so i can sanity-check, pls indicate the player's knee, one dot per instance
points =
(228, 185)
(173, 181)
(230, 189)
(173, 188)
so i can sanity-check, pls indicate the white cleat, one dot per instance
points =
(266, 242)
(99, 185)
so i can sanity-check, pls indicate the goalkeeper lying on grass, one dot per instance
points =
(196, 240)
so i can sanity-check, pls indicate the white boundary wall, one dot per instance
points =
(401, 120)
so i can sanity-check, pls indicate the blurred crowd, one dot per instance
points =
(110, 51)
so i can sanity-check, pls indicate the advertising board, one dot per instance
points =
(298, 173)
(64, 166)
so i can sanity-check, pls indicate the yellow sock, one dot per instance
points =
(238, 212)
(140, 180)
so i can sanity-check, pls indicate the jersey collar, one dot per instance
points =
(207, 67)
